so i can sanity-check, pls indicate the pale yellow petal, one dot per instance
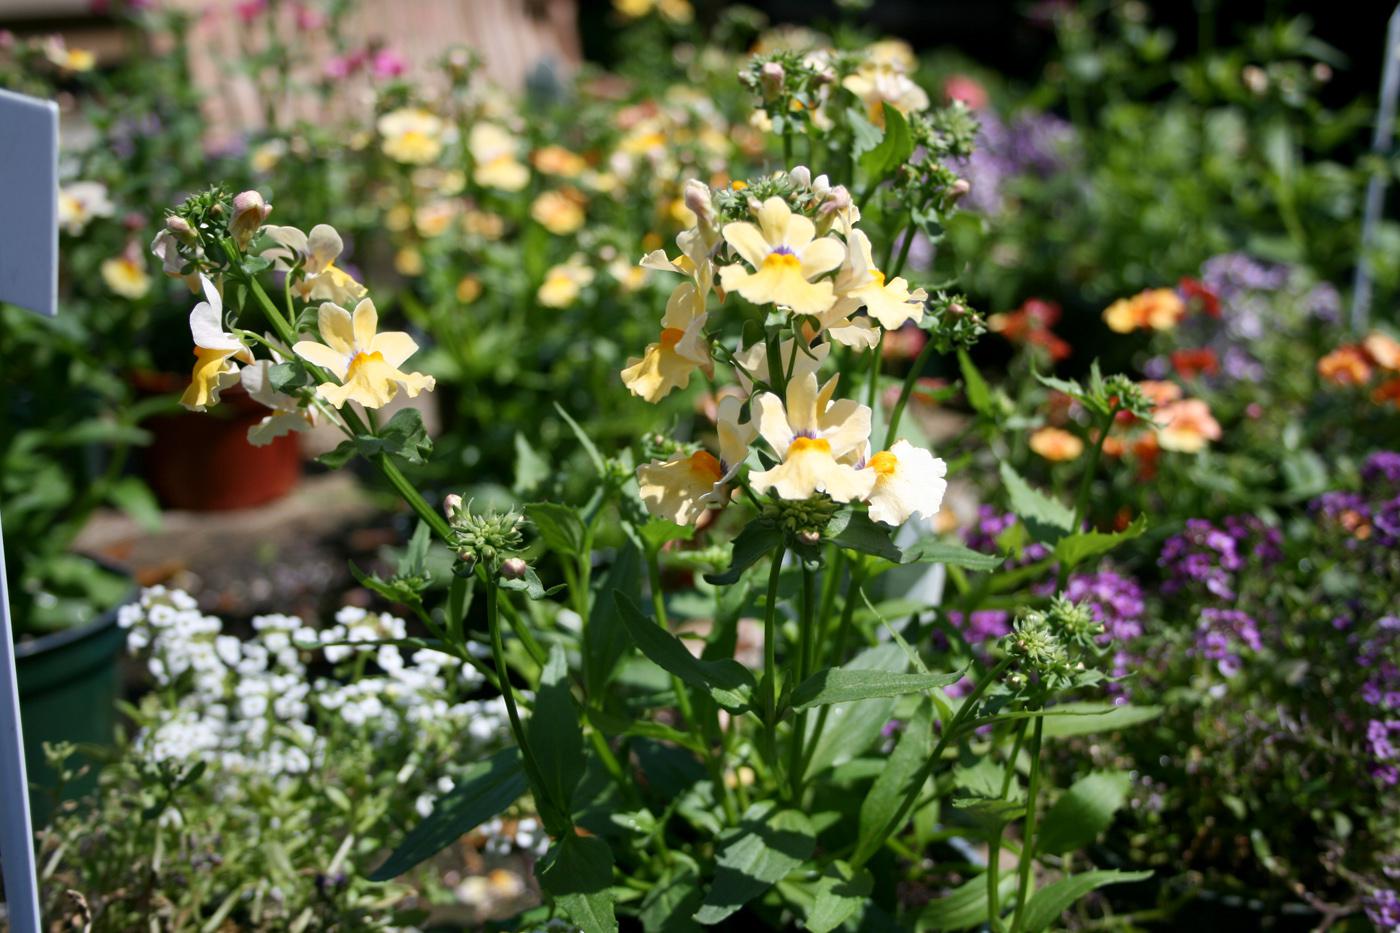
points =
(322, 356)
(364, 324)
(336, 328)
(394, 345)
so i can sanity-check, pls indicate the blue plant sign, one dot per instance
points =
(29, 278)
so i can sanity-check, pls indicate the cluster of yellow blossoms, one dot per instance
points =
(819, 271)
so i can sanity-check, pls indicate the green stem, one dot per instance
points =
(770, 645)
(1086, 485)
(994, 847)
(498, 652)
(843, 630)
(903, 253)
(909, 379)
(802, 663)
(658, 605)
(1028, 847)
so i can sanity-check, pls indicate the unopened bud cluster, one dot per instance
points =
(1050, 646)
(803, 519)
(490, 539)
(952, 324)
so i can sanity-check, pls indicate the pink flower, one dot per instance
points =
(338, 67)
(966, 89)
(309, 19)
(249, 10)
(387, 64)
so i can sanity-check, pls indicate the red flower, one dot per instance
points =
(1190, 363)
(1195, 292)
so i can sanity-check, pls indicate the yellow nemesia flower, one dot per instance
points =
(812, 434)
(908, 481)
(1056, 444)
(412, 135)
(365, 362)
(468, 289)
(680, 489)
(80, 202)
(493, 151)
(321, 279)
(408, 262)
(559, 212)
(265, 156)
(70, 60)
(556, 160)
(667, 364)
(785, 257)
(563, 283)
(125, 276)
(877, 83)
(214, 350)
(1186, 426)
(1157, 308)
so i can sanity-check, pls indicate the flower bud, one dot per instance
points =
(802, 175)
(958, 190)
(770, 78)
(180, 227)
(513, 568)
(697, 198)
(838, 199)
(451, 503)
(1255, 79)
(810, 537)
(249, 212)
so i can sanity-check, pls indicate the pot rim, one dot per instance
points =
(52, 641)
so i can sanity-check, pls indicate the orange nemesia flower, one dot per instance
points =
(1186, 426)
(1345, 366)
(1056, 444)
(1157, 308)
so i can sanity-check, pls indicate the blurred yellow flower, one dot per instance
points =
(814, 437)
(412, 135)
(785, 258)
(677, 11)
(365, 362)
(80, 202)
(493, 151)
(563, 283)
(126, 276)
(1157, 308)
(1056, 444)
(468, 289)
(264, 157)
(408, 262)
(435, 218)
(879, 82)
(322, 279)
(559, 212)
(681, 488)
(484, 224)
(556, 160)
(71, 60)
(1185, 426)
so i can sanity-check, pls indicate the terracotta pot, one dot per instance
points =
(203, 462)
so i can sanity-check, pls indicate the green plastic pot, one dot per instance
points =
(68, 683)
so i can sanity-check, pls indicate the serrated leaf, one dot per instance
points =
(933, 551)
(554, 736)
(766, 845)
(1074, 549)
(726, 680)
(486, 790)
(403, 436)
(1047, 904)
(851, 728)
(891, 784)
(839, 894)
(560, 527)
(1045, 518)
(868, 537)
(1083, 812)
(287, 375)
(864, 134)
(577, 873)
(841, 685)
(757, 540)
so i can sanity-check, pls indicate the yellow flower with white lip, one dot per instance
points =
(556, 160)
(412, 135)
(214, 351)
(80, 202)
(877, 83)
(861, 285)
(435, 218)
(264, 157)
(562, 283)
(680, 350)
(71, 60)
(365, 362)
(785, 257)
(322, 279)
(908, 481)
(497, 165)
(126, 276)
(812, 434)
(680, 489)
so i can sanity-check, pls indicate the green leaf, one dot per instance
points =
(726, 680)
(1045, 518)
(414, 561)
(588, 446)
(839, 894)
(554, 736)
(933, 551)
(766, 845)
(658, 532)
(486, 790)
(966, 905)
(1083, 812)
(868, 537)
(670, 905)
(864, 134)
(530, 468)
(979, 395)
(892, 783)
(559, 526)
(894, 147)
(135, 499)
(1076, 548)
(851, 728)
(840, 685)
(287, 375)
(403, 436)
(605, 637)
(1087, 718)
(577, 873)
(1047, 904)
(757, 540)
